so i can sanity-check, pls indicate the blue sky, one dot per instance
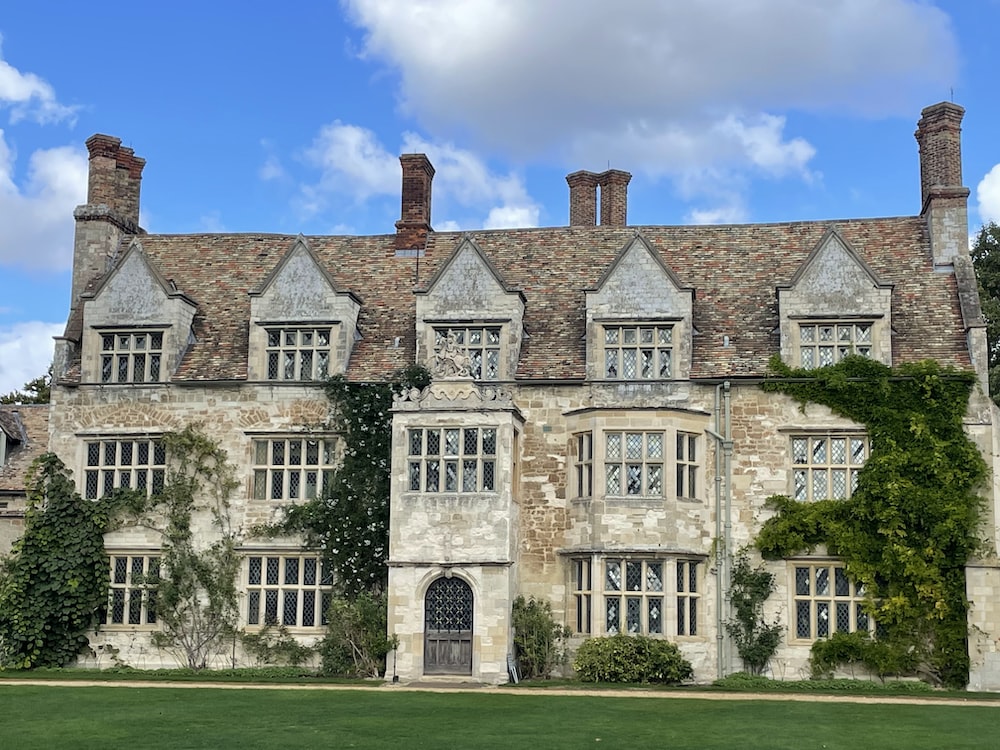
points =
(255, 119)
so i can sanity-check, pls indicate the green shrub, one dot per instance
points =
(757, 683)
(355, 644)
(540, 641)
(274, 645)
(883, 657)
(631, 658)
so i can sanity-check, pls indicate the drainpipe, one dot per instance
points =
(723, 510)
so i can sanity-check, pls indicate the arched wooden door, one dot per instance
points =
(448, 627)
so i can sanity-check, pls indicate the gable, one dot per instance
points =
(132, 294)
(835, 279)
(637, 286)
(468, 285)
(300, 289)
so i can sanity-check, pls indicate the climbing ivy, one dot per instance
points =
(56, 578)
(350, 522)
(909, 528)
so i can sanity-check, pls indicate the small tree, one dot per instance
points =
(36, 391)
(986, 259)
(540, 641)
(196, 595)
(756, 639)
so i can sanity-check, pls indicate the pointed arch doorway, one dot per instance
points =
(448, 627)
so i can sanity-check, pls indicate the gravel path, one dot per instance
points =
(926, 699)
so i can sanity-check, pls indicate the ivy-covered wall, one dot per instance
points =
(913, 522)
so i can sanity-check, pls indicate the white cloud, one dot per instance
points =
(354, 163)
(37, 219)
(271, 169)
(25, 352)
(988, 196)
(670, 85)
(30, 97)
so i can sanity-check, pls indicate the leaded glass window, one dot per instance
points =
(452, 459)
(827, 466)
(823, 344)
(298, 353)
(131, 356)
(634, 463)
(633, 596)
(638, 352)
(582, 594)
(584, 464)
(132, 590)
(138, 463)
(290, 590)
(688, 593)
(480, 343)
(826, 601)
(297, 468)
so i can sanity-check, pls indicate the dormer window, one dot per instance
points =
(479, 344)
(131, 356)
(638, 352)
(295, 353)
(822, 344)
(834, 307)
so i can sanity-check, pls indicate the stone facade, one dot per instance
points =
(594, 435)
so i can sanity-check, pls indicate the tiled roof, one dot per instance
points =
(734, 270)
(30, 424)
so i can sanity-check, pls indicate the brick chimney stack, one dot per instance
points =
(115, 177)
(582, 199)
(939, 137)
(614, 197)
(944, 201)
(415, 213)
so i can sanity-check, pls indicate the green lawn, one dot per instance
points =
(151, 718)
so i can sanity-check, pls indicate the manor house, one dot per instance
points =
(594, 434)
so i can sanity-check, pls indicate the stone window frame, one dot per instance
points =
(285, 588)
(879, 348)
(597, 598)
(634, 463)
(823, 600)
(655, 348)
(297, 476)
(114, 461)
(668, 423)
(583, 463)
(131, 602)
(687, 464)
(450, 359)
(123, 350)
(277, 347)
(688, 587)
(454, 459)
(583, 587)
(481, 344)
(813, 475)
(830, 340)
